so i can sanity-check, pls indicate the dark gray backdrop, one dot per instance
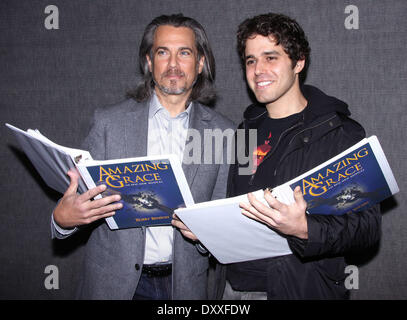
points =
(54, 79)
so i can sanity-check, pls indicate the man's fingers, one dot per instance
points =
(183, 228)
(248, 207)
(103, 212)
(93, 218)
(273, 202)
(250, 215)
(178, 223)
(98, 203)
(189, 235)
(265, 215)
(90, 194)
(258, 205)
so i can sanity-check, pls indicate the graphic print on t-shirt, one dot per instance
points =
(260, 152)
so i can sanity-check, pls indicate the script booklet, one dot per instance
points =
(151, 188)
(352, 181)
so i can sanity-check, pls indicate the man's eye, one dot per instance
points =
(249, 62)
(271, 58)
(161, 52)
(185, 53)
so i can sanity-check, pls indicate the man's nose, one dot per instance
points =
(173, 61)
(259, 68)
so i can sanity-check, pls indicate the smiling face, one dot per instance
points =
(174, 64)
(269, 71)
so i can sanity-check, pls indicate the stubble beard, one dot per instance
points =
(172, 88)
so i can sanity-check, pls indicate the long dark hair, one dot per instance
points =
(203, 90)
(286, 32)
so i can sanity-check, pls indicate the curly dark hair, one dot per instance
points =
(285, 31)
(203, 90)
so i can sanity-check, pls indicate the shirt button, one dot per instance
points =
(137, 266)
(306, 139)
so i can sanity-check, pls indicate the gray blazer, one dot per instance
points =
(113, 259)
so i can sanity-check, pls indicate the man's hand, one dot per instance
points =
(176, 222)
(75, 210)
(287, 219)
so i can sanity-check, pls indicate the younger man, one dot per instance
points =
(298, 128)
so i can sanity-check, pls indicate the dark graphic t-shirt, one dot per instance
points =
(250, 275)
(268, 134)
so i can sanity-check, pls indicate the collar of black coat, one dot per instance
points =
(319, 104)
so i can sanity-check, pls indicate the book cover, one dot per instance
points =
(352, 182)
(149, 189)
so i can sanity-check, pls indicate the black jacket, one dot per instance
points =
(316, 269)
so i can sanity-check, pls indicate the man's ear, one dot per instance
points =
(150, 66)
(201, 64)
(299, 66)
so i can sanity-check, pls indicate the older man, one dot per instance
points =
(154, 262)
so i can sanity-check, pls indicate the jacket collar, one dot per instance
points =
(319, 104)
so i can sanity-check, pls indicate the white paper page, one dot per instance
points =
(231, 236)
(85, 155)
(51, 162)
(384, 164)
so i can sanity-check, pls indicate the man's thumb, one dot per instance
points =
(73, 186)
(299, 198)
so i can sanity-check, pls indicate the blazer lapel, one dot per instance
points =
(136, 129)
(199, 120)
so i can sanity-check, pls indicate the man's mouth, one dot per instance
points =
(263, 84)
(173, 74)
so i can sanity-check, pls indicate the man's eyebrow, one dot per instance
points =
(268, 53)
(160, 48)
(167, 49)
(265, 53)
(185, 48)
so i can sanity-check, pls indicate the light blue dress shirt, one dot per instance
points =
(166, 135)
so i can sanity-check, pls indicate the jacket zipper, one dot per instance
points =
(292, 139)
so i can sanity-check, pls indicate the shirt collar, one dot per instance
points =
(155, 106)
